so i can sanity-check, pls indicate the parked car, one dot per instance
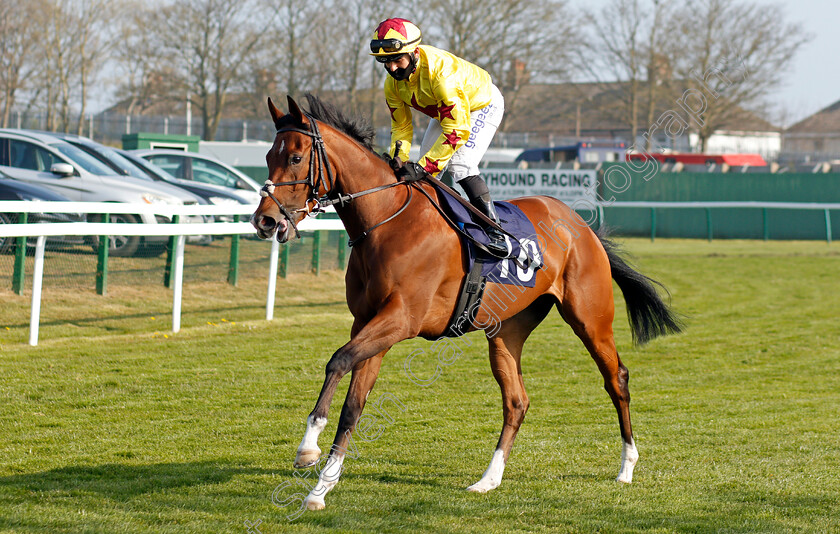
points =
(214, 194)
(127, 164)
(201, 168)
(13, 190)
(45, 160)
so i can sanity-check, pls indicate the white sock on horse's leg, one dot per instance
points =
(308, 452)
(326, 481)
(493, 476)
(629, 457)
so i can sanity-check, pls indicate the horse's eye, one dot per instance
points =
(296, 160)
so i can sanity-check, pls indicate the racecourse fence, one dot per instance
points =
(73, 262)
(275, 263)
(759, 205)
(96, 269)
(697, 219)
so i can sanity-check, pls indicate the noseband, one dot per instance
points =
(318, 162)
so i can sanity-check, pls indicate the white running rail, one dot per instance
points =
(184, 229)
(42, 231)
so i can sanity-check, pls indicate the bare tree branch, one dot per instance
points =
(628, 55)
(736, 53)
(208, 41)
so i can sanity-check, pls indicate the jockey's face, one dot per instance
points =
(401, 66)
(400, 62)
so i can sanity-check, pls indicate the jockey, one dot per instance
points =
(464, 105)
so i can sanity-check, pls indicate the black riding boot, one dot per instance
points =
(479, 196)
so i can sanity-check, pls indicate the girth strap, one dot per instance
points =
(469, 302)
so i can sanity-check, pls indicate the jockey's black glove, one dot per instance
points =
(411, 172)
(395, 163)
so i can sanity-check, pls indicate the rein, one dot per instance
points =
(318, 161)
(461, 231)
(472, 209)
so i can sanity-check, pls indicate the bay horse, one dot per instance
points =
(406, 270)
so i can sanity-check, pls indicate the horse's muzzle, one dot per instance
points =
(267, 227)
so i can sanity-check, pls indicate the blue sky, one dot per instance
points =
(814, 80)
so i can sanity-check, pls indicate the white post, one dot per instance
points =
(272, 280)
(37, 284)
(178, 273)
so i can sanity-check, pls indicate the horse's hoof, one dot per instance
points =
(629, 457)
(480, 487)
(314, 506)
(307, 458)
(624, 478)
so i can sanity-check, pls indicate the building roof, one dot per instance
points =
(825, 121)
(559, 109)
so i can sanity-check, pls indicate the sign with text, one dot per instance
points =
(565, 184)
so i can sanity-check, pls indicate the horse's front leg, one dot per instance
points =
(362, 381)
(390, 326)
(308, 451)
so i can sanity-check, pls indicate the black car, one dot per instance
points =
(13, 190)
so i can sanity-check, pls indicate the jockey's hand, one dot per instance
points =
(411, 172)
(395, 163)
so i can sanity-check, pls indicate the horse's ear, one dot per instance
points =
(276, 114)
(294, 111)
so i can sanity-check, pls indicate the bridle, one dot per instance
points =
(319, 166)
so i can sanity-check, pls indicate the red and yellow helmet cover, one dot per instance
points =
(402, 30)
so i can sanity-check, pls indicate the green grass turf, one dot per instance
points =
(113, 424)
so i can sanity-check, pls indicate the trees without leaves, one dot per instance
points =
(733, 55)
(702, 61)
(19, 38)
(628, 55)
(207, 42)
(53, 51)
(516, 41)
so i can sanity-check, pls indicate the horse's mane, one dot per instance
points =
(358, 128)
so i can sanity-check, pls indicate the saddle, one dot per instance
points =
(519, 267)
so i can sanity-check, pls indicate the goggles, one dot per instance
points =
(389, 46)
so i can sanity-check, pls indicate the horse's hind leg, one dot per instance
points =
(589, 311)
(505, 354)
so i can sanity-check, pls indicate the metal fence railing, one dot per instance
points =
(109, 127)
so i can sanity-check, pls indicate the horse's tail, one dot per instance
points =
(649, 316)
